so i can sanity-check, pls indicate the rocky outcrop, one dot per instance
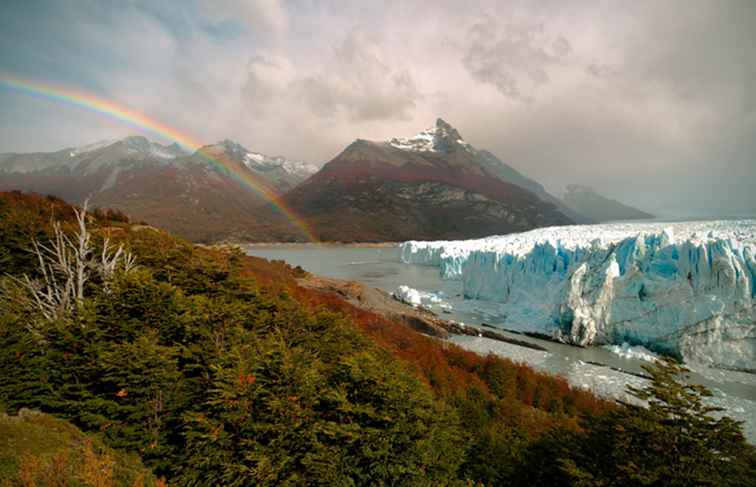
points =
(393, 308)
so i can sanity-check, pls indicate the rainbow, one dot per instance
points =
(144, 123)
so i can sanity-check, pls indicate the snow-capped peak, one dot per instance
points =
(255, 160)
(261, 162)
(134, 144)
(232, 148)
(91, 147)
(439, 138)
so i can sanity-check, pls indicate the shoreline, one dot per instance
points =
(418, 318)
(301, 245)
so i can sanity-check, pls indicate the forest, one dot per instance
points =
(132, 357)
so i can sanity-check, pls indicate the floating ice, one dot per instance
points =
(628, 351)
(416, 298)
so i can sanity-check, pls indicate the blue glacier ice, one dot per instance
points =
(687, 289)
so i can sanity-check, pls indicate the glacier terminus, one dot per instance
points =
(687, 289)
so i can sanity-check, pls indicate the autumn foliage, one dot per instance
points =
(216, 368)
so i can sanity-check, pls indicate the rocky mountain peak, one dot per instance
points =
(445, 130)
(442, 137)
(141, 146)
(129, 146)
(292, 171)
(137, 142)
(176, 149)
(232, 148)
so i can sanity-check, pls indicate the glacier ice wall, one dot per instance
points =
(682, 288)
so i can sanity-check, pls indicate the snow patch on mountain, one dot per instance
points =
(681, 288)
(91, 158)
(435, 139)
(422, 142)
(166, 152)
(264, 163)
(133, 145)
(257, 161)
(91, 147)
(111, 180)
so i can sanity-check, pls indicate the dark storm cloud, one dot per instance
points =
(650, 102)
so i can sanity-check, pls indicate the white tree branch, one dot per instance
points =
(67, 264)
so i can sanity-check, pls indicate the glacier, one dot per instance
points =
(684, 288)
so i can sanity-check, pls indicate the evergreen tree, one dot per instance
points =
(675, 441)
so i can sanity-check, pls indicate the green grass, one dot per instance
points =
(54, 452)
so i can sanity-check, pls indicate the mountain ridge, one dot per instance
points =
(428, 186)
(197, 195)
(585, 200)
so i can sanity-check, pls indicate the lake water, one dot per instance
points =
(381, 268)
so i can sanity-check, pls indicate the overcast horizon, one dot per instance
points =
(651, 103)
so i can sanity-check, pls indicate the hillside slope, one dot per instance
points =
(219, 369)
(38, 449)
(511, 175)
(213, 365)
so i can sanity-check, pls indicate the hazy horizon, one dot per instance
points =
(650, 103)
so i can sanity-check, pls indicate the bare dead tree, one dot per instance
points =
(67, 264)
(112, 260)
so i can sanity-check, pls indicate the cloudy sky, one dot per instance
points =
(653, 103)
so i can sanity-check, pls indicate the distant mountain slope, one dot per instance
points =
(586, 201)
(279, 173)
(430, 186)
(91, 157)
(492, 165)
(196, 196)
(511, 175)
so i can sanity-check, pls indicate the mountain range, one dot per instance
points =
(198, 196)
(433, 185)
